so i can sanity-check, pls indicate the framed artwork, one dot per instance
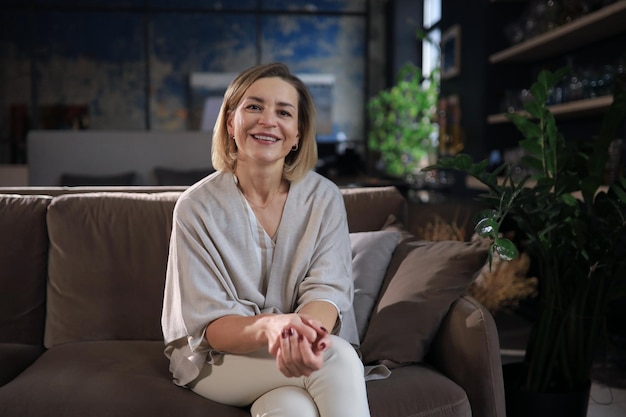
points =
(449, 120)
(451, 52)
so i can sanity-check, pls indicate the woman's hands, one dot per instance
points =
(298, 342)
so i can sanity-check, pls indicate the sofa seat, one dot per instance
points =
(104, 378)
(116, 378)
(15, 358)
(432, 394)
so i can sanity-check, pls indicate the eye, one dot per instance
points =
(284, 113)
(253, 107)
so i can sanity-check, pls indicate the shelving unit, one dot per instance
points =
(473, 184)
(594, 27)
(586, 107)
(601, 24)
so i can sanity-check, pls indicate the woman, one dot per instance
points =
(260, 264)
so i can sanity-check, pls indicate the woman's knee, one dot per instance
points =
(343, 354)
(285, 401)
(339, 387)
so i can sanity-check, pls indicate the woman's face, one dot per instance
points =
(265, 123)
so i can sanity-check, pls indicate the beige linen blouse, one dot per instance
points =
(214, 266)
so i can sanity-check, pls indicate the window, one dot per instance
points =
(432, 36)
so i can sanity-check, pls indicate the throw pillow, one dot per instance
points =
(371, 253)
(423, 280)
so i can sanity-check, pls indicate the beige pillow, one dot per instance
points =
(423, 280)
(371, 253)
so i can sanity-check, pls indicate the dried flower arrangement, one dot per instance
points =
(438, 229)
(502, 287)
(499, 288)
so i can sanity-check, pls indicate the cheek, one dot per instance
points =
(238, 122)
(293, 129)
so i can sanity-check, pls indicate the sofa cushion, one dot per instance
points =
(108, 256)
(109, 378)
(23, 264)
(422, 283)
(417, 390)
(371, 253)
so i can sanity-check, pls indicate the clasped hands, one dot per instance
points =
(298, 343)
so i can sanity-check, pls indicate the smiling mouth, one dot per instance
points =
(263, 138)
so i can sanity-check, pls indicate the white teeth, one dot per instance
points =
(265, 138)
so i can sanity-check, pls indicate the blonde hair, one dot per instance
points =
(297, 162)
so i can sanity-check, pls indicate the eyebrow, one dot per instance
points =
(280, 103)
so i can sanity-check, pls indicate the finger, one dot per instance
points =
(285, 364)
(311, 361)
(280, 363)
(303, 361)
(315, 324)
(320, 332)
(291, 357)
(305, 329)
(322, 343)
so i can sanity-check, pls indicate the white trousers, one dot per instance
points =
(336, 390)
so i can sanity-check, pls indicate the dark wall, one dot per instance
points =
(470, 85)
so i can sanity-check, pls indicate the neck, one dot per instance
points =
(259, 189)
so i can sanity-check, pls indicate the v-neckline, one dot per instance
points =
(258, 223)
(254, 216)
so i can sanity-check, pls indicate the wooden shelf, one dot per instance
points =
(601, 24)
(586, 107)
(473, 184)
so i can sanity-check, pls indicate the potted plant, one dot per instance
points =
(402, 123)
(574, 230)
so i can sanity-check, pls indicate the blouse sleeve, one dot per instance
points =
(329, 277)
(197, 290)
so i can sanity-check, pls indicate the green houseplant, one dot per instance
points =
(402, 122)
(573, 228)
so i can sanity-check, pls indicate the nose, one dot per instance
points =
(267, 118)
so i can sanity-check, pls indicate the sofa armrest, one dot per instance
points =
(467, 350)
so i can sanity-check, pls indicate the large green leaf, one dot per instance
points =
(528, 128)
(487, 228)
(620, 190)
(534, 108)
(506, 249)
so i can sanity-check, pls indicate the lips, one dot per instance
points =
(265, 138)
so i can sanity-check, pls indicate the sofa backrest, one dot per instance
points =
(107, 259)
(368, 208)
(108, 255)
(23, 264)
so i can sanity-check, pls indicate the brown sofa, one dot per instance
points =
(81, 285)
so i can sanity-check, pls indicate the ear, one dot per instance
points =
(229, 125)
